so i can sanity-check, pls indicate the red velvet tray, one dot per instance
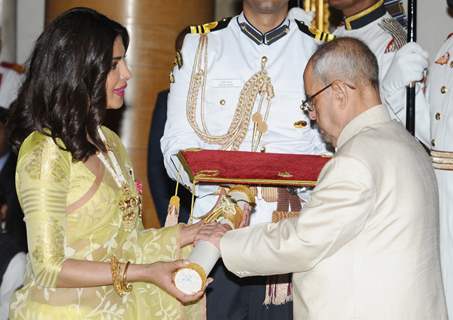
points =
(253, 168)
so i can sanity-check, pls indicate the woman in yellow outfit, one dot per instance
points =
(90, 257)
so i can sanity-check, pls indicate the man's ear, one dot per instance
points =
(340, 94)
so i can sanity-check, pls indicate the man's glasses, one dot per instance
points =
(307, 104)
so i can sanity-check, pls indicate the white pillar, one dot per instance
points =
(8, 30)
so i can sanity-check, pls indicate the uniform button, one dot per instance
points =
(437, 116)
(433, 142)
(443, 90)
(222, 102)
(263, 149)
(300, 124)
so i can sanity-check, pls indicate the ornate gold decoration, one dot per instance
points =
(246, 191)
(119, 279)
(322, 13)
(258, 85)
(206, 173)
(128, 205)
(282, 215)
(285, 174)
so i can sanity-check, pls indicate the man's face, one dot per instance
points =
(324, 111)
(266, 6)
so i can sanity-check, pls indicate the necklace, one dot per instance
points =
(259, 85)
(129, 202)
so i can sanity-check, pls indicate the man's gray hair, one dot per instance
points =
(346, 59)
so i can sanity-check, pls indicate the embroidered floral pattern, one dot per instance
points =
(47, 178)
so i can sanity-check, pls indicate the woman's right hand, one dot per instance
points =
(161, 274)
(188, 233)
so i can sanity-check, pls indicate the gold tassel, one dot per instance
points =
(173, 209)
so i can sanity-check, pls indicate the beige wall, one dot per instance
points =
(225, 8)
(433, 24)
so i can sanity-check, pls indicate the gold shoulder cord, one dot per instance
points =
(259, 84)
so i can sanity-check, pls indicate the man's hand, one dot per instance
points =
(212, 232)
(408, 65)
(161, 274)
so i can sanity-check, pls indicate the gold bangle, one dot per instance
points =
(127, 287)
(119, 284)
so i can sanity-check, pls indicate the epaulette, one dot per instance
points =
(210, 26)
(13, 66)
(314, 33)
(397, 31)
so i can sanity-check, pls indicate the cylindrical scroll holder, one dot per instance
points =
(229, 209)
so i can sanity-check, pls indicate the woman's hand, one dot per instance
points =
(213, 232)
(161, 274)
(188, 232)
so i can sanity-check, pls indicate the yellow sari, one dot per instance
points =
(72, 214)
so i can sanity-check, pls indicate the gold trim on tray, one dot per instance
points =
(271, 182)
(285, 174)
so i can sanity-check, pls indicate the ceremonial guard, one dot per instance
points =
(399, 64)
(10, 79)
(440, 95)
(239, 87)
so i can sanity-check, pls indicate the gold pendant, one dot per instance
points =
(129, 205)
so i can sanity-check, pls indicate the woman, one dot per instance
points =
(90, 257)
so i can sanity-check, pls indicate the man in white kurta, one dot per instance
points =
(440, 94)
(368, 21)
(366, 244)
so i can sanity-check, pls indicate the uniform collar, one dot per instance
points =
(263, 38)
(374, 115)
(365, 17)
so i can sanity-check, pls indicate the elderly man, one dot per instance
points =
(366, 245)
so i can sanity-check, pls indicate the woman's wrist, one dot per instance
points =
(139, 273)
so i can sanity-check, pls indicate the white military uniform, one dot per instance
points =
(234, 54)
(235, 51)
(384, 36)
(10, 80)
(440, 94)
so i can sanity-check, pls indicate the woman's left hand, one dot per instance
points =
(161, 274)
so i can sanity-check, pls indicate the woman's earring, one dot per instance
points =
(3, 229)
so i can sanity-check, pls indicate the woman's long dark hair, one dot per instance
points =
(64, 92)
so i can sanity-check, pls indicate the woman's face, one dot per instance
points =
(118, 76)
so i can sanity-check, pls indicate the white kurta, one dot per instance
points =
(440, 94)
(378, 40)
(366, 245)
(232, 60)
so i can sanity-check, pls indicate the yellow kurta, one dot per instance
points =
(71, 214)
